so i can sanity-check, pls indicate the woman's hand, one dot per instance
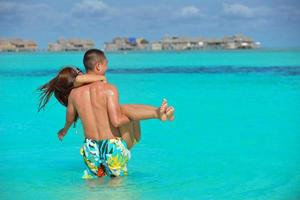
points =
(61, 133)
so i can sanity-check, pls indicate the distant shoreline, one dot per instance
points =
(161, 51)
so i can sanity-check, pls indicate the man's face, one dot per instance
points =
(104, 66)
(101, 67)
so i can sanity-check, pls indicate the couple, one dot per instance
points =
(110, 129)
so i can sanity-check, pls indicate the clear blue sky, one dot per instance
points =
(274, 23)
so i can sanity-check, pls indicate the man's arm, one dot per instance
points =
(116, 117)
(70, 117)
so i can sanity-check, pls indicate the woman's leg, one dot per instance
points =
(131, 133)
(142, 112)
(137, 131)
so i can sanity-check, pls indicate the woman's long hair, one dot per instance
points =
(61, 86)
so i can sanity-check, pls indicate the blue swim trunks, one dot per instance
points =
(105, 157)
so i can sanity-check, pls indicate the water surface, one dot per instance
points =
(236, 133)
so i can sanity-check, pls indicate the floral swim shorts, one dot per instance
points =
(105, 157)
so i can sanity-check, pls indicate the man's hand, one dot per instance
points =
(61, 133)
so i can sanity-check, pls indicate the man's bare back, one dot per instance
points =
(93, 104)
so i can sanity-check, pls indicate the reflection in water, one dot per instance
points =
(105, 181)
(111, 188)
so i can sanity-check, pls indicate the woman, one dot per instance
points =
(71, 77)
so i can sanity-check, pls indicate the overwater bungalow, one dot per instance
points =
(214, 43)
(71, 45)
(17, 45)
(156, 46)
(239, 42)
(174, 43)
(127, 44)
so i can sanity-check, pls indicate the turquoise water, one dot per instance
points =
(236, 133)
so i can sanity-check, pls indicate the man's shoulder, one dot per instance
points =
(73, 92)
(106, 88)
(111, 86)
(96, 86)
(109, 89)
(78, 90)
(103, 85)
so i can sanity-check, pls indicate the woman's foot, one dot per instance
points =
(162, 110)
(170, 113)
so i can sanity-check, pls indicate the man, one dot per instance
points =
(97, 104)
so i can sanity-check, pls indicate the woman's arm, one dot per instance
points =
(70, 118)
(82, 79)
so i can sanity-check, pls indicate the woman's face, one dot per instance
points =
(78, 71)
(64, 83)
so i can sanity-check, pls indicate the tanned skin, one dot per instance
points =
(97, 105)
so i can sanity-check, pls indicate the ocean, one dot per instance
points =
(236, 133)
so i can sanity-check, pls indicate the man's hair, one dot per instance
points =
(91, 57)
